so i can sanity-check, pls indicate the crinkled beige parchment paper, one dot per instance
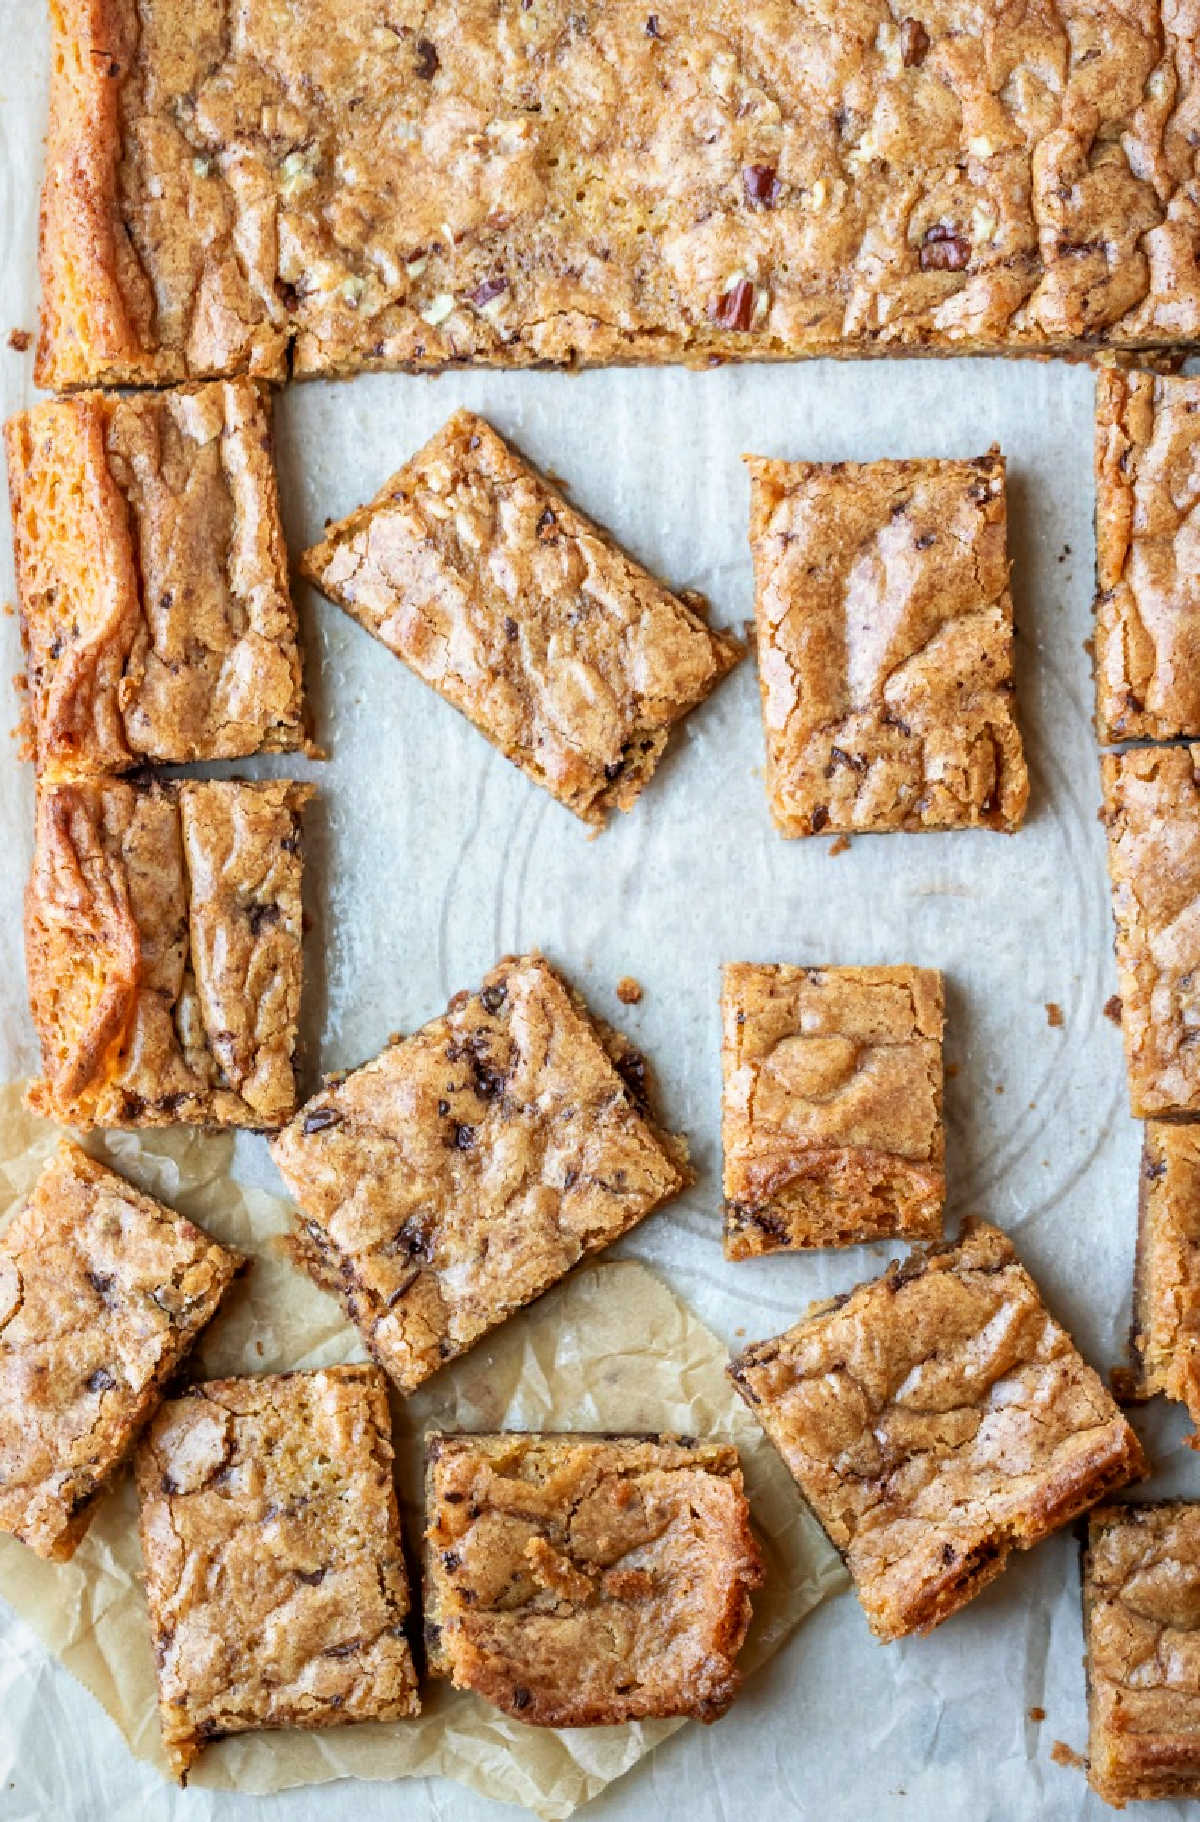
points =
(613, 1348)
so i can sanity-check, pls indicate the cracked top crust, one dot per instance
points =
(831, 1113)
(102, 1292)
(471, 1165)
(162, 941)
(1152, 809)
(568, 655)
(1148, 556)
(885, 645)
(1141, 1594)
(274, 1570)
(152, 576)
(572, 182)
(936, 1419)
(579, 1580)
(1166, 1288)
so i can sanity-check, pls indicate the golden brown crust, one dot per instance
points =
(1141, 1599)
(274, 1569)
(562, 650)
(152, 575)
(935, 1420)
(885, 645)
(162, 941)
(831, 1111)
(102, 1292)
(582, 1581)
(1152, 810)
(1166, 1289)
(470, 1166)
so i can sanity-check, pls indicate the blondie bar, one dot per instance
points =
(102, 1292)
(1147, 592)
(576, 1580)
(162, 939)
(1166, 1284)
(936, 1419)
(581, 181)
(1152, 811)
(274, 1570)
(831, 1116)
(885, 645)
(469, 1166)
(562, 650)
(152, 578)
(1141, 1598)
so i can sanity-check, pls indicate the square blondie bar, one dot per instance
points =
(578, 1581)
(163, 946)
(936, 1419)
(563, 183)
(1147, 586)
(1166, 1282)
(152, 578)
(102, 1292)
(563, 651)
(885, 645)
(831, 1114)
(1152, 812)
(1141, 1598)
(274, 1568)
(470, 1166)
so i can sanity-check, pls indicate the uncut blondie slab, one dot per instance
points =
(1147, 591)
(469, 1166)
(885, 635)
(102, 1292)
(936, 1419)
(831, 1112)
(577, 1581)
(1166, 1283)
(566, 182)
(1141, 1602)
(152, 578)
(562, 650)
(274, 1568)
(162, 943)
(1152, 813)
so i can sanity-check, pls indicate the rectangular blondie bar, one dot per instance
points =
(1166, 1283)
(579, 1581)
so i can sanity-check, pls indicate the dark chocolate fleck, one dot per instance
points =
(321, 1118)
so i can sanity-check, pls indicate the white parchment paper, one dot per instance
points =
(429, 856)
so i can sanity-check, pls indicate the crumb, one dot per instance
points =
(999, 1087)
(259, 1348)
(1033, 1106)
(1037, 1714)
(1054, 1014)
(1062, 1754)
(1089, 646)
(19, 340)
(629, 991)
(9, 610)
(840, 845)
(1064, 553)
(951, 1070)
(739, 1331)
(1112, 1008)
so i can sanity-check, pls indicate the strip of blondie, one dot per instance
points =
(1166, 1283)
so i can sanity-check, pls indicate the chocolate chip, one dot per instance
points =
(100, 1381)
(632, 1070)
(463, 1137)
(55, 646)
(759, 183)
(511, 628)
(443, 1109)
(949, 1553)
(346, 1650)
(101, 1283)
(547, 525)
(451, 1560)
(943, 250)
(521, 1697)
(925, 540)
(493, 998)
(653, 29)
(613, 770)
(310, 1577)
(484, 293)
(427, 60)
(322, 1118)
(914, 43)
(261, 917)
(570, 1179)
(734, 309)
(820, 817)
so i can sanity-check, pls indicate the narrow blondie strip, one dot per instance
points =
(1152, 814)
(468, 1167)
(885, 635)
(579, 1581)
(1166, 1283)
(1141, 1602)
(831, 1112)
(562, 650)
(274, 1569)
(1147, 593)
(163, 932)
(102, 1292)
(935, 1420)
(152, 577)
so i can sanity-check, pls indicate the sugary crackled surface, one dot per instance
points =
(471, 1165)
(152, 575)
(1166, 1289)
(885, 645)
(102, 1291)
(1142, 1615)
(831, 1113)
(936, 1419)
(565, 181)
(162, 939)
(1152, 809)
(560, 648)
(1148, 556)
(576, 1580)
(274, 1568)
